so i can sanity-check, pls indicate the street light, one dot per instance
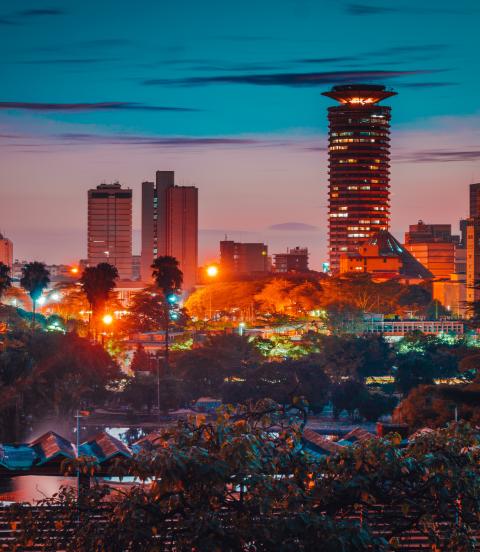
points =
(107, 319)
(212, 272)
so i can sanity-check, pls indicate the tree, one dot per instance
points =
(35, 278)
(50, 375)
(168, 279)
(141, 361)
(246, 482)
(97, 283)
(5, 280)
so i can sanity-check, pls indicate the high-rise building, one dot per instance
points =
(243, 258)
(473, 259)
(434, 246)
(170, 225)
(6, 251)
(294, 260)
(475, 200)
(359, 166)
(110, 227)
(430, 233)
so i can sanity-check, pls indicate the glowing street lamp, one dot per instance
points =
(107, 319)
(212, 271)
(74, 270)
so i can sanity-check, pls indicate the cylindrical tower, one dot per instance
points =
(359, 167)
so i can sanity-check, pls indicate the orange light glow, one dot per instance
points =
(74, 270)
(212, 271)
(107, 319)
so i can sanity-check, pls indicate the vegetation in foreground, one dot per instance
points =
(244, 482)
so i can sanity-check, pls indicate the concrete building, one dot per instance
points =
(6, 251)
(473, 259)
(359, 167)
(243, 258)
(170, 225)
(110, 228)
(434, 246)
(294, 260)
(475, 200)
(452, 294)
(384, 258)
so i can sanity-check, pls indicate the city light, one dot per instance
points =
(212, 271)
(107, 319)
(172, 298)
(74, 270)
(41, 300)
(55, 296)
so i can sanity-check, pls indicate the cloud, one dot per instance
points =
(22, 16)
(427, 84)
(287, 79)
(293, 227)
(364, 9)
(166, 141)
(442, 156)
(66, 61)
(96, 106)
(368, 9)
(39, 12)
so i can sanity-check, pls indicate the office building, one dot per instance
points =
(473, 259)
(170, 225)
(110, 228)
(452, 294)
(359, 166)
(6, 251)
(430, 233)
(384, 258)
(294, 260)
(243, 258)
(475, 200)
(434, 246)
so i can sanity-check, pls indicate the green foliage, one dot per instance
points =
(244, 482)
(5, 280)
(49, 375)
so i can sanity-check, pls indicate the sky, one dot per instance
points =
(228, 95)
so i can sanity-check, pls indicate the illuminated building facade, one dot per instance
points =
(169, 226)
(473, 259)
(359, 167)
(110, 228)
(434, 246)
(6, 251)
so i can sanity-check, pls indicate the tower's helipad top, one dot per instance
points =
(359, 94)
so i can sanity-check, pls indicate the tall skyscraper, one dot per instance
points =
(6, 251)
(473, 259)
(110, 227)
(359, 166)
(475, 200)
(170, 225)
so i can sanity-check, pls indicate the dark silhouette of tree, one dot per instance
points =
(168, 279)
(141, 361)
(167, 275)
(97, 283)
(5, 280)
(35, 278)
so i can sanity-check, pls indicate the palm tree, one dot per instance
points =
(35, 278)
(5, 280)
(168, 279)
(97, 283)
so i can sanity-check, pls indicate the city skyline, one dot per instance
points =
(240, 126)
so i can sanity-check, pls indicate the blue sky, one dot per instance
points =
(228, 95)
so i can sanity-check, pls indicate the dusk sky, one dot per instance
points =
(228, 95)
